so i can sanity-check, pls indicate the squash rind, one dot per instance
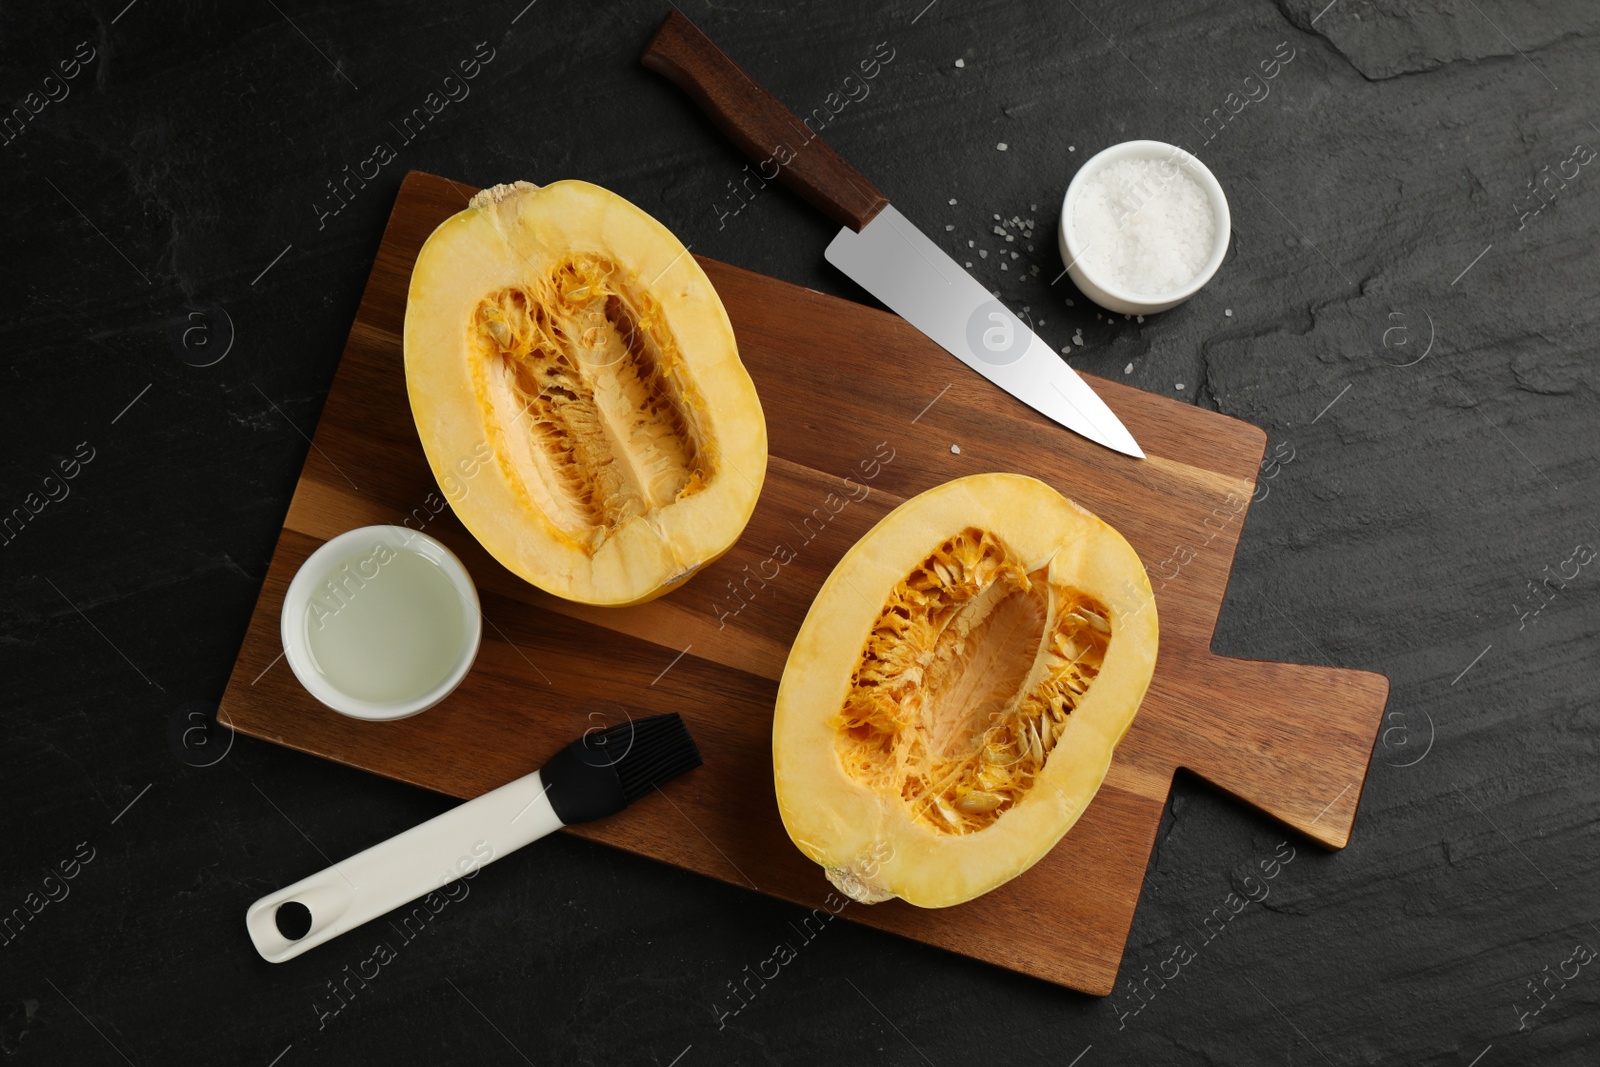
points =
(868, 843)
(506, 234)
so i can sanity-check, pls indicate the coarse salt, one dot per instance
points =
(1144, 226)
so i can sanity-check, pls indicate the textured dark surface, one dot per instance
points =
(1404, 528)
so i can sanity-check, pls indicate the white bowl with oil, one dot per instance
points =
(381, 623)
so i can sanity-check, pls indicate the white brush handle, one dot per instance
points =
(406, 866)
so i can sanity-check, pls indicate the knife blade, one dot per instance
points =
(878, 247)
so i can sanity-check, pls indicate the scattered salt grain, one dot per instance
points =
(955, 449)
(1005, 266)
(969, 263)
(1145, 226)
(948, 228)
(1077, 338)
(1228, 312)
(952, 201)
(1070, 303)
(1001, 147)
(1180, 386)
(983, 253)
(1128, 369)
(1072, 148)
(1141, 318)
(961, 62)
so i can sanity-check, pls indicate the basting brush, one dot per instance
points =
(595, 776)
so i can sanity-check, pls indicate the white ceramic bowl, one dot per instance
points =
(317, 567)
(1103, 292)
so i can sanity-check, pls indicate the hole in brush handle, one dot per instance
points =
(293, 919)
(299, 917)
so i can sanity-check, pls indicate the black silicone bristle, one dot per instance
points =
(655, 751)
(606, 770)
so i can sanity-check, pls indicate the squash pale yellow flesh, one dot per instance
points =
(578, 391)
(953, 698)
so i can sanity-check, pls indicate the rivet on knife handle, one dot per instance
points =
(782, 146)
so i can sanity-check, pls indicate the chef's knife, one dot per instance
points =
(883, 251)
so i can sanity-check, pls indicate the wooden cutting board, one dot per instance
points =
(844, 386)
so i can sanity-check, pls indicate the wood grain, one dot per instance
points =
(840, 383)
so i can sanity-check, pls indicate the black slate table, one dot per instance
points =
(1409, 309)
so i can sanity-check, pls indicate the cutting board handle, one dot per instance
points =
(1294, 740)
(781, 145)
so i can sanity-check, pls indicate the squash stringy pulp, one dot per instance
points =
(966, 682)
(596, 381)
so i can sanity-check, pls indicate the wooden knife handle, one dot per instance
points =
(782, 146)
